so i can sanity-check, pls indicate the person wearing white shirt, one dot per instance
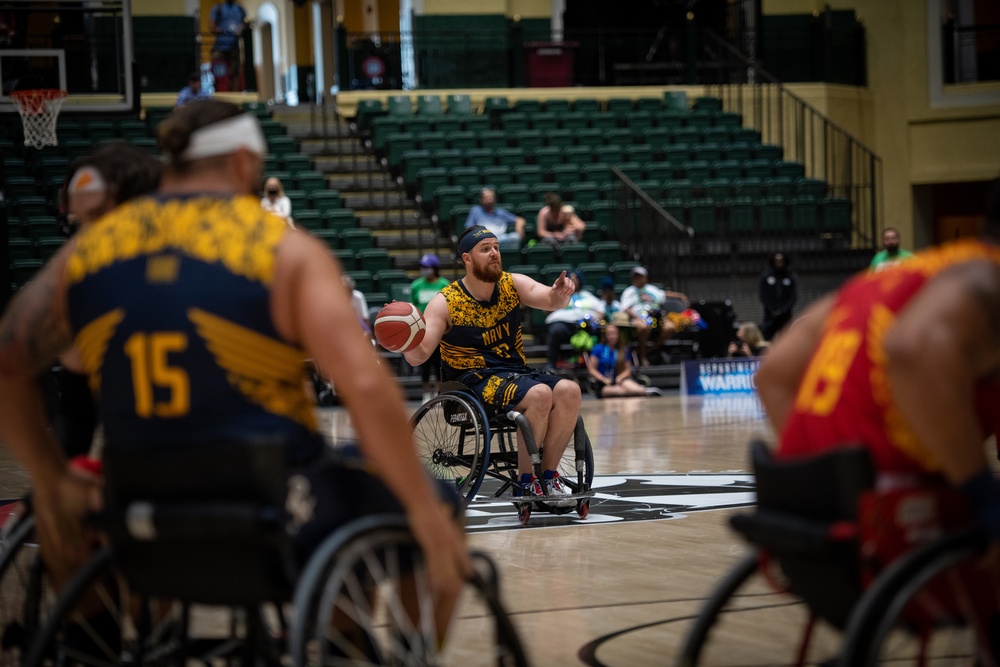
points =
(644, 304)
(565, 322)
(275, 200)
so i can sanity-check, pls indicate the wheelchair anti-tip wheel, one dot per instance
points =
(365, 599)
(451, 433)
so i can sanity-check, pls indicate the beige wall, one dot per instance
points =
(523, 8)
(923, 136)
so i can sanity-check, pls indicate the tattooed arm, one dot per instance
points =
(33, 332)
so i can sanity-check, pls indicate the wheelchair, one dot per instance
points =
(25, 595)
(463, 442)
(203, 571)
(871, 577)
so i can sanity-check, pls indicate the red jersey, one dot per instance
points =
(844, 397)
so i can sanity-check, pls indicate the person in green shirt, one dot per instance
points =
(891, 253)
(422, 290)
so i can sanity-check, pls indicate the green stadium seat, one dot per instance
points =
(299, 200)
(836, 215)
(308, 219)
(811, 187)
(48, 245)
(528, 139)
(696, 171)
(432, 141)
(296, 162)
(496, 105)
(20, 186)
(737, 152)
(610, 154)
(701, 216)
(345, 257)
(529, 211)
(597, 172)
(716, 135)
(540, 190)
(475, 124)
(564, 175)
(633, 170)
(574, 253)
(459, 214)
(603, 121)
(412, 162)
(741, 212)
(429, 105)
(20, 247)
(514, 121)
(339, 219)
(590, 136)
(529, 270)
(773, 216)
(586, 105)
(494, 139)
(677, 153)
(23, 270)
(462, 140)
(27, 207)
(325, 201)
(561, 139)
(700, 119)
(400, 292)
(549, 274)
(528, 106)
(356, 239)
(675, 101)
(584, 193)
(578, 154)
(331, 238)
(622, 271)
(512, 195)
(762, 169)
(395, 144)
(780, 186)
(544, 121)
(310, 181)
(459, 105)
(363, 280)
(573, 120)
(528, 174)
(707, 152)
(769, 152)
(449, 125)
(385, 279)
(539, 254)
(745, 135)
(675, 207)
(374, 259)
(497, 175)
(669, 120)
(752, 188)
(399, 105)
(448, 158)
(660, 171)
(512, 157)
(718, 189)
(640, 154)
(547, 157)
(430, 179)
(465, 177)
(281, 145)
(446, 198)
(558, 106)
(804, 214)
(729, 119)
(707, 103)
(480, 157)
(607, 252)
(592, 273)
(792, 170)
(382, 127)
(132, 129)
(729, 169)
(678, 188)
(366, 112)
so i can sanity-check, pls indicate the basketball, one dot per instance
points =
(399, 327)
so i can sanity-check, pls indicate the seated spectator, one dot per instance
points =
(496, 219)
(610, 368)
(607, 293)
(750, 341)
(583, 311)
(644, 304)
(192, 91)
(275, 200)
(359, 302)
(558, 223)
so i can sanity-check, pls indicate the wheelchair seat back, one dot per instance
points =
(799, 504)
(201, 523)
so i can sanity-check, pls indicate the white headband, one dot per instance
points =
(226, 136)
(86, 179)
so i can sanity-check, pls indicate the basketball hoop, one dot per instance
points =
(39, 110)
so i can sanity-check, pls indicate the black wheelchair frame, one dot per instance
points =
(805, 531)
(453, 433)
(224, 542)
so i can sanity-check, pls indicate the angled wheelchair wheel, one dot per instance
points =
(452, 435)
(364, 599)
(25, 594)
(747, 621)
(578, 481)
(936, 606)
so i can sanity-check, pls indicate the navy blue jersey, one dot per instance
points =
(483, 334)
(169, 302)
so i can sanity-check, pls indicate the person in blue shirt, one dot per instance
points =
(610, 367)
(498, 220)
(226, 22)
(192, 91)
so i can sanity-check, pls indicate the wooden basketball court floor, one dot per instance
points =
(621, 587)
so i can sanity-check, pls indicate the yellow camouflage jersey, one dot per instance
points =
(169, 302)
(483, 334)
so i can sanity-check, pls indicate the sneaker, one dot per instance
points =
(558, 488)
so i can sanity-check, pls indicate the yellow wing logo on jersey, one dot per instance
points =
(266, 371)
(92, 342)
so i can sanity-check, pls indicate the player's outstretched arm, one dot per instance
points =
(784, 365)
(309, 308)
(436, 325)
(536, 295)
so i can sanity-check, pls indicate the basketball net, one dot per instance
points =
(39, 110)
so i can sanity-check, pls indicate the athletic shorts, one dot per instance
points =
(337, 488)
(505, 390)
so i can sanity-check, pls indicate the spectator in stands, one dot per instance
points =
(749, 341)
(610, 367)
(558, 223)
(226, 22)
(496, 219)
(644, 304)
(583, 312)
(607, 293)
(359, 302)
(891, 253)
(276, 201)
(192, 91)
(777, 294)
(422, 290)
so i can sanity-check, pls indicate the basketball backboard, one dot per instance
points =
(80, 46)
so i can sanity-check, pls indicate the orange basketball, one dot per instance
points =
(399, 327)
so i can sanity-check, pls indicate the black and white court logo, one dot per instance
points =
(625, 498)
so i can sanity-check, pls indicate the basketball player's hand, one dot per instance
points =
(563, 286)
(60, 507)
(448, 562)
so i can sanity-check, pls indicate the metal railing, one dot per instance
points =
(648, 233)
(827, 151)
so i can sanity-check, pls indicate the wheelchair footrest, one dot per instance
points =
(552, 499)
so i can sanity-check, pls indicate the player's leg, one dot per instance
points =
(561, 422)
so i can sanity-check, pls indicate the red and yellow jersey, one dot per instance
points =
(844, 397)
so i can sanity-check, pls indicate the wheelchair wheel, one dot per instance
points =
(746, 621)
(451, 432)
(935, 606)
(364, 599)
(25, 596)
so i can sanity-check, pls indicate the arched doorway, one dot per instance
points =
(268, 58)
